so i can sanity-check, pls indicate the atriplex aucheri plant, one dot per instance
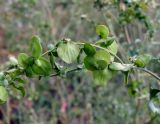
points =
(67, 56)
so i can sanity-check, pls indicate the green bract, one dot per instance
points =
(142, 60)
(90, 63)
(68, 52)
(22, 59)
(109, 44)
(97, 62)
(3, 94)
(113, 47)
(42, 67)
(101, 77)
(102, 59)
(102, 31)
(14, 72)
(30, 61)
(29, 72)
(89, 49)
(105, 42)
(35, 46)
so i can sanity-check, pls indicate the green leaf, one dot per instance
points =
(102, 59)
(142, 60)
(89, 49)
(3, 94)
(105, 42)
(68, 52)
(22, 59)
(110, 44)
(30, 61)
(103, 55)
(80, 56)
(35, 46)
(19, 88)
(97, 62)
(115, 66)
(101, 64)
(29, 72)
(20, 81)
(101, 77)
(133, 88)
(54, 52)
(90, 63)
(52, 61)
(14, 72)
(109, 41)
(102, 31)
(113, 47)
(42, 66)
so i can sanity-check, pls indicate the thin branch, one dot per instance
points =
(127, 35)
(45, 53)
(149, 72)
(69, 71)
(138, 68)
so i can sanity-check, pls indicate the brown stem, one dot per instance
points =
(127, 35)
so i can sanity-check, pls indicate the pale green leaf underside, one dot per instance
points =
(68, 52)
(120, 67)
(3, 94)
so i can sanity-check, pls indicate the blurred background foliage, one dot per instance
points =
(75, 100)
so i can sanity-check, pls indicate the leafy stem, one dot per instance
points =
(69, 71)
(105, 49)
(100, 62)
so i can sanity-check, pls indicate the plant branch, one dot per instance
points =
(69, 71)
(127, 35)
(149, 72)
(105, 49)
(45, 53)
